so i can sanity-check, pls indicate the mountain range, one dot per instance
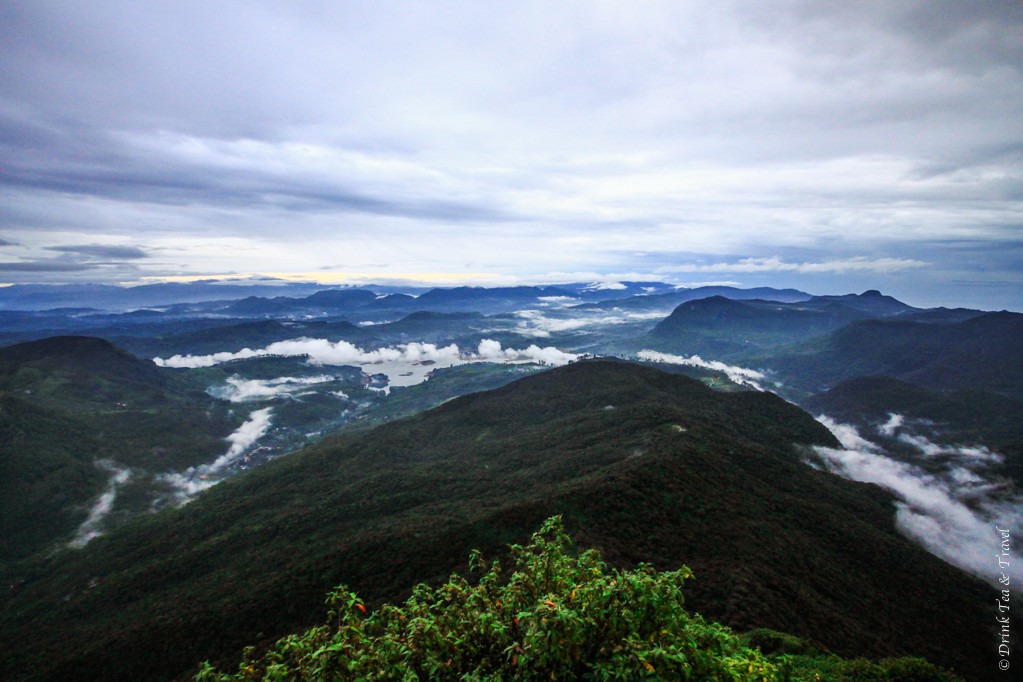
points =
(159, 513)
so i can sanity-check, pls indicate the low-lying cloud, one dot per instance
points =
(321, 352)
(194, 480)
(739, 375)
(324, 352)
(536, 323)
(92, 526)
(491, 351)
(952, 510)
(239, 390)
(896, 428)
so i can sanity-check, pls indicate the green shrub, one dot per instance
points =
(558, 616)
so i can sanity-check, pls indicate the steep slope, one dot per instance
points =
(645, 465)
(982, 352)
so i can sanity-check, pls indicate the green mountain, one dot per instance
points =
(80, 373)
(979, 353)
(234, 336)
(47, 475)
(647, 466)
(719, 327)
(68, 404)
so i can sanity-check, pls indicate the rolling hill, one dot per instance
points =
(647, 466)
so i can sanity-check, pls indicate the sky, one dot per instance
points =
(826, 145)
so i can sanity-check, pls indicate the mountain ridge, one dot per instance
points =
(644, 465)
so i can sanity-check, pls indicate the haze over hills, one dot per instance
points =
(646, 464)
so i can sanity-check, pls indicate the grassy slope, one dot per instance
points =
(772, 542)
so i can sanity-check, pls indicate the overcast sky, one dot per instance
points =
(829, 145)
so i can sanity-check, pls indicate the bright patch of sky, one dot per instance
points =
(827, 146)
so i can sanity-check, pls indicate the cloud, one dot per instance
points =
(558, 300)
(238, 389)
(952, 511)
(491, 351)
(254, 428)
(537, 323)
(606, 286)
(774, 264)
(92, 527)
(44, 266)
(324, 352)
(585, 138)
(189, 483)
(896, 427)
(102, 251)
(738, 375)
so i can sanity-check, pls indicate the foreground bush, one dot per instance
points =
(559, 616)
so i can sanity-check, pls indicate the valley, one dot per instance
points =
(193, 475)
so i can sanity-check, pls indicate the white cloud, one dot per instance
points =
(775, 264)
(609, 132)
(537, 323)
(238, 389)
(951, 511)
(321, 352)
(895, 421)
(491, 351)
(92, 527)
(606, 286)
(739, 375)
(189, 483)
